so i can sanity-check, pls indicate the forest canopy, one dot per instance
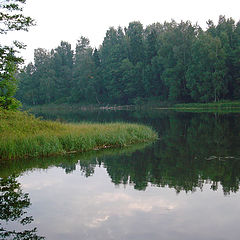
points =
(174, 62)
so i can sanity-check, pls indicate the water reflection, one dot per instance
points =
(93, 195)
(71, 206)
(193, 149)
(13, 208)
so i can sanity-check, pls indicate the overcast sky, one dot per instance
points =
(67, 20)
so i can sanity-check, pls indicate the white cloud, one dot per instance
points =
(120, 204)
(67, 20)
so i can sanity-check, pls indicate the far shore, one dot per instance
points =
(229, 106)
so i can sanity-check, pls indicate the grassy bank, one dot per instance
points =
(221, 105)
(23, 135)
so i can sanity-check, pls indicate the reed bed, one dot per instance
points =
(23, 135)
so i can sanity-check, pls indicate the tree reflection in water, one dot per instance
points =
(193, 149)
(13, 206)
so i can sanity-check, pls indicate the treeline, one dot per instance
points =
(177, 62)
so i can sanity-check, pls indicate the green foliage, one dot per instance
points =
(9, 103)
(84, 83)
(134, 35)
(10, 19)
(174, 62)
(8, 82)
(206, 74)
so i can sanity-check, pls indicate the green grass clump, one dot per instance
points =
(23, 135)
(221, 105)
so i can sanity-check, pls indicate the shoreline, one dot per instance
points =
(153, 105)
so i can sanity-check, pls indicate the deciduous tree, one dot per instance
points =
(11, 19)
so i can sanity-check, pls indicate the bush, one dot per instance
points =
(9, 103)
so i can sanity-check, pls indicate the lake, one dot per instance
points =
(184, 186)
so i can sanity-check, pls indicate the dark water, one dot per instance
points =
(184, 186)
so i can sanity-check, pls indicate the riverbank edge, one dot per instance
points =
(218, 105)
(22, 136)
(211, 107)
(156, 105)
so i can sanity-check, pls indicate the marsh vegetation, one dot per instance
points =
(23, 135)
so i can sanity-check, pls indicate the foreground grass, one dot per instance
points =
(23, 135)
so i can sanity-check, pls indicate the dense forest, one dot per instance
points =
(174, 62)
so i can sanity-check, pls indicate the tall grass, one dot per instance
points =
(23, 135)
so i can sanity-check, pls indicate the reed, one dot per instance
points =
(23, 135)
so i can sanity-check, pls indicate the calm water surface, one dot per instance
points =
(184, 186)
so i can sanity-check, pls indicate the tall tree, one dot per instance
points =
(11, 19)
(112, 53)
(45, 76)
(226, 31)
(176, 55)
(28, 86)
(236, 63)
(83, 72)
(135, 34)
(206, 74)
(153, 81)
(63, 65)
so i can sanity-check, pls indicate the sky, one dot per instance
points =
(59, 20)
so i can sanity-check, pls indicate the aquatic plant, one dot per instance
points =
(23, 135)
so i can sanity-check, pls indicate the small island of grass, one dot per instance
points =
(23, 135)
